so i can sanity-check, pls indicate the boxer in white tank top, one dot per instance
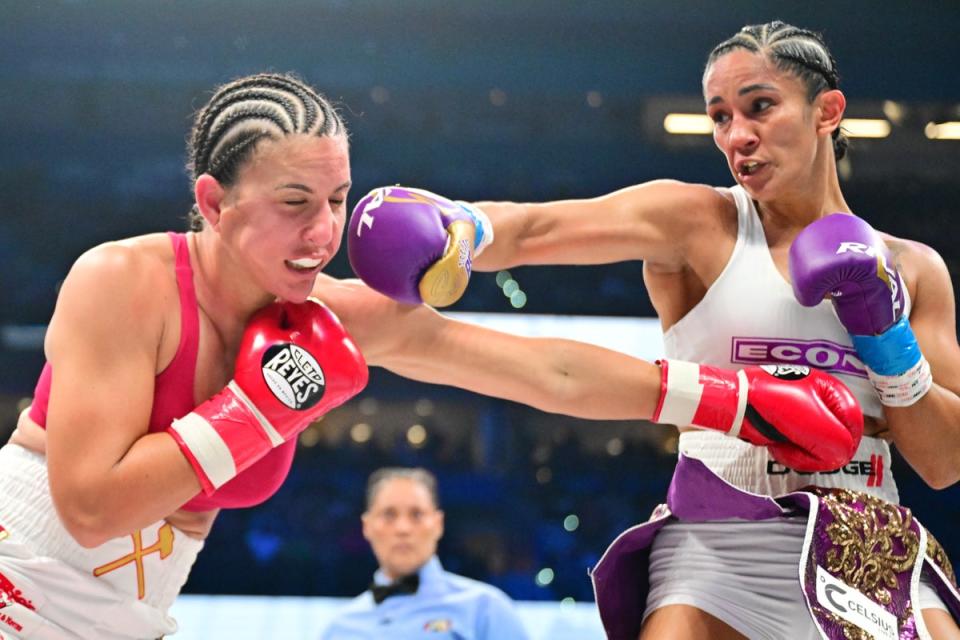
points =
(739, 547)
(750, 316)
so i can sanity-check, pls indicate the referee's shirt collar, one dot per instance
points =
(431, 576)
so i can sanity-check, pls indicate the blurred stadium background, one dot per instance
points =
(501, 99)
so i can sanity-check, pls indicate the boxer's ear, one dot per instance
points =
(208, 193)
(830, 108)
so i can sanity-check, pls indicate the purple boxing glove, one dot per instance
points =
(843, 257)
(415, 246)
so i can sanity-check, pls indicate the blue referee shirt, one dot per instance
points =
(445, 606)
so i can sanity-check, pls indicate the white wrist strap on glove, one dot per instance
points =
(905, 389)
(684, 389)
(221, 439)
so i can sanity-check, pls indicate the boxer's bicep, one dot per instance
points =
(102, 346)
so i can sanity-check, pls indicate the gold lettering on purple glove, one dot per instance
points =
(446, 280)
(463, 259)
(423, 197)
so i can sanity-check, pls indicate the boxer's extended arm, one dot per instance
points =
(416, 246)
(654, 221)
(559, 376)
(809, 419)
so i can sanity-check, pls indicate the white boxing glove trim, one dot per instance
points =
(683, 393)
(275, 438)
(742, 386)
(208, 448)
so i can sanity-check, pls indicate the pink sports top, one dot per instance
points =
(173, 398)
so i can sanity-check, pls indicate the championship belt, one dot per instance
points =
(863, 559)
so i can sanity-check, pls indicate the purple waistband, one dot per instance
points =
(858, 544)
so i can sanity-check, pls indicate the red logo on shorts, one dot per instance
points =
(875, 479)
(10, 594)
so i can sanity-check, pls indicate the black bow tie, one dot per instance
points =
(406, 584)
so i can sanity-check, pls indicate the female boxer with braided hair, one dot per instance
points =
(725, 563)
(182, 367)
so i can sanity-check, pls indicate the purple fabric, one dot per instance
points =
(825, 355)
(620, 579)
(845, 257)
(395, 235)
(696, 494)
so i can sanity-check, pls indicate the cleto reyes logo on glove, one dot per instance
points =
(293, 375)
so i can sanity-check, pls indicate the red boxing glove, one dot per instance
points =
(808, 420)
(295, 363)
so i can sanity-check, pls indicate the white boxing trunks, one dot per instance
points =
(51, 588)
(751, 468)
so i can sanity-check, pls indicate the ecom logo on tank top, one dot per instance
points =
(293, 375)
(820, 354)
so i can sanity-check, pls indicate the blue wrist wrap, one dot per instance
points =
(891, 353)
(478, 236)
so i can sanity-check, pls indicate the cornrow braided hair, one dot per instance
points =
(245, 111)
(798, 51)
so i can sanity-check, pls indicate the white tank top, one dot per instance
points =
(749, 316)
